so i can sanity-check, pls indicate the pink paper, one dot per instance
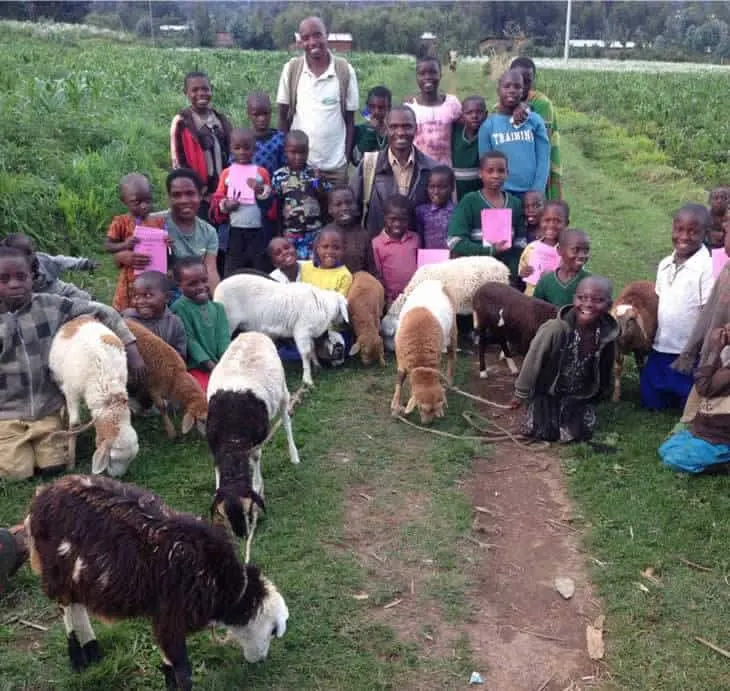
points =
(151, 243)
(543, 259)
(719, 259)
(497, 226)
(238, 178)
(432, 257)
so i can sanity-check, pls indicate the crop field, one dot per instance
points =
(682, 113)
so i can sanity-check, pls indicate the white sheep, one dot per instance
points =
(88, 362)
(247, 389)
(462, 277)
(293, 310)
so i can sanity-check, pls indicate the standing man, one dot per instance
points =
(318, 94)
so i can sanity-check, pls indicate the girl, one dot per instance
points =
(569, 367)
(372, 135)
(553, 221)
(326, 269)
(435, 112)
(433, 218)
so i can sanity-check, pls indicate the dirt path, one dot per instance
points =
(522, 634)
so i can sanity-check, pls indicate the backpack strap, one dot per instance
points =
(296, 67)
(369, 160)
(342, 72)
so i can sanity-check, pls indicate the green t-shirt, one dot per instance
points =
(465, 160)
(206, 328)
(551, 289)
(368, 139)
(202, 241)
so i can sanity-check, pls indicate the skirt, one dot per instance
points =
(551, 418)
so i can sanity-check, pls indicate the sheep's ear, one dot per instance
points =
(101, 458)
(187, 423)
(411, 405)
(355, 349)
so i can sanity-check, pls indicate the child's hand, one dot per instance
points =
(515, 403)
(169, 242)
(230, 204)
(718, 338)
(501, 246)
(129, 243)
(93, 265)
(256, 186)
(519, 114)
(526, 271)
(140, 261)
(135, 363)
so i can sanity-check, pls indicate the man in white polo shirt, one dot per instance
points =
(318, 94)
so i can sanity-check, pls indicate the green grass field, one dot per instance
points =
(636, 515)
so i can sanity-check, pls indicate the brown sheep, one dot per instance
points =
(365, 303)
(426, 328)
(635, 310)
(168, 380)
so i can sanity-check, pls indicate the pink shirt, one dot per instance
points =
(395, 261)
(433, 127)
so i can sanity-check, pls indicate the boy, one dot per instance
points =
(395, 249)
(30, 402)
(717, 202)
(205, 321)
(433, 217)
(465, 146)
(533, 205)
(287, 269)
(151, 290)
(526, 144)
(684, 283)
(298, 190)
(48, 268)
(558, 287)
(269, 151)
(357, 253)
(554, 219)
(465, 226)
(135, 193)
(372, 135)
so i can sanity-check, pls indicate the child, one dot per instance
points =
(357, 253)
(205, 321)
(298, 189)
(558, 287)
(269, 151)
(569, 367)
(136, 195)
(47, 268)
(465, 147)
(526, 145)
(533, 205)
(30, 401)
(718, 203)
(326, 269)
(395, 249)
(287, 269)
(684, 283)
(151, 290)
(372, 135)
(200, 137)
(435, 112)
(433, 218)
(553, 221)
(465, 226)
(247, 239)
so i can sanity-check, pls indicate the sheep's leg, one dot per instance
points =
(306, 352)
(161, 404)
(217, 478)
(258, 479)
(175, 664)
(286, 422)
(514, 370)
(83, 648)
(618, 370)
(640, 359)
(395, 407)
(451, 354)
(482, 353)
(74, 417)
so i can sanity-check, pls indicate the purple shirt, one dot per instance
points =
(433, 222)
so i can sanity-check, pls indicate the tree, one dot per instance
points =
(203, 31)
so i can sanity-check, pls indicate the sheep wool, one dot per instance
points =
(365, 303)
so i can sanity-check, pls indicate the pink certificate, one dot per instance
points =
(497, 226)
(719, 259)
(152, 244)
(238, 188)
(543, 259)
(432, 257)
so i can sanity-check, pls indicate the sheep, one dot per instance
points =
(635, 310)
(292, 310)
(427, 327)
(512, 317)
(168, 380)
(87, 361)
(365, 302)
(461, 277)
(247, 389)
(117, 551)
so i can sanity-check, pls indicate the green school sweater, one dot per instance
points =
(465, 161)
(465, 226)
(551, 289)
(206, 327)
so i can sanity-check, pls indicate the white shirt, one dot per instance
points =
(318, 113)
(281, 277)
(683, 290)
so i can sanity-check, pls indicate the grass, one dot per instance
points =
(636, 514)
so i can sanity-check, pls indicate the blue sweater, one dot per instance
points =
(527, 149)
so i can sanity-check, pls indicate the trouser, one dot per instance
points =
(246, 250)
(662, 387)
(200, 376)
(27, 445)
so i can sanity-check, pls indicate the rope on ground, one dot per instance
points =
(479, 399)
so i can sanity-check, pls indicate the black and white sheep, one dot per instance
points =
(117, 551)
(247, 389)
(511, 317)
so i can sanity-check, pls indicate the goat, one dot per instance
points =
(365, 303)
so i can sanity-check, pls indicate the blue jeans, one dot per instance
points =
(662, 387)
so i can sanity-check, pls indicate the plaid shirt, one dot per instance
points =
(27, 391)
(269, 151)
